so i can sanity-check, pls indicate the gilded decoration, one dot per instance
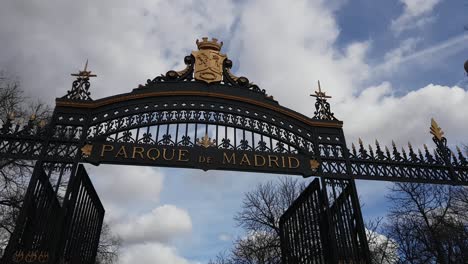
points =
(86, 150)
(436, 131)
(206, 142)
(209, 61)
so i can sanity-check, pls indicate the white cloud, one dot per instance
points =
(378, 113)
(407, 56)
(382, 247)
(151, 253)
(416, 14)
(162, 224)
(125, 43)
(120, 185)
(287, 59)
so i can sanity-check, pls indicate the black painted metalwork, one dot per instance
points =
(47, 232)
(35, 237)
(347, 232)
(83, 221)
(178, 113)
(80, 87)
(324, 225)
(303, 228)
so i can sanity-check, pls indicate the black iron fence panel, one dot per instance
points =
(302, 228)
(35, 236)
(83, 221)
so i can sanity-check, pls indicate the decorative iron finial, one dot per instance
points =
(81, 85)
(435, 130)
(319, 93)
(84, 73)
(322, 107)
(441, 143)
(206, 141)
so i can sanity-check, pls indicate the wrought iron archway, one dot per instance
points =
(206, 117)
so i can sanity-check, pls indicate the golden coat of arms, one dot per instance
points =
(208, 61)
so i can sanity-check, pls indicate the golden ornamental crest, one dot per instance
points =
(208, 61)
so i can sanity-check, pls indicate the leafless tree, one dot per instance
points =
(383, 250)
(15, 173)
(428, 223)
(109, 246)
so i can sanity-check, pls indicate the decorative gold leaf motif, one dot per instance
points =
(436, 131)
(314, 164)
(206, 142)
(86, 150)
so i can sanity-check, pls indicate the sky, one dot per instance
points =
(389, 65)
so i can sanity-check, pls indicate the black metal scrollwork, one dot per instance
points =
(176, 76)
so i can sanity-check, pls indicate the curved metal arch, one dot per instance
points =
(202, 111)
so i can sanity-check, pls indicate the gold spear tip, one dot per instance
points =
(435, 130)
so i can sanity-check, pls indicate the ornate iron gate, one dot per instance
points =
(47, 232)
(303, 228)
(36, 235)
(83, 221)
(324, 225)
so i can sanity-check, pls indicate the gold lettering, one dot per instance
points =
(106, 148)
(289, 162)
(256, 160)
(122, 152)
(271, 160)
(139, 151)
(283, 159)
(164, 154)
(182, 153)
(229, 159)
(148, 153)
(209, 160)
(244, 159)
(201, 159)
